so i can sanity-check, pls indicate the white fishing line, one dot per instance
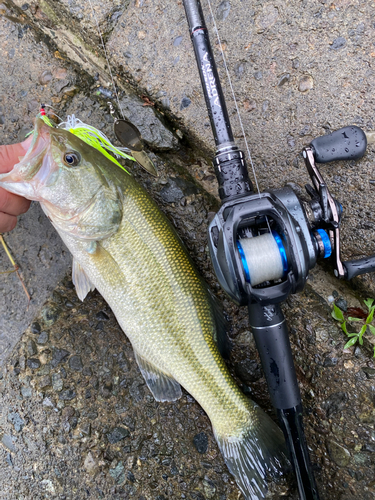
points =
(234, 96)
(263, 258)
(107, 59)
(236, 105)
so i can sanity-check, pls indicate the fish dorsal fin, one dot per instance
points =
(81, 281)
(222, 327)
(162, 386)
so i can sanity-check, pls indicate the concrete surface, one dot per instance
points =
(299, 70)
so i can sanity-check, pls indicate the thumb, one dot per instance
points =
(9, 154)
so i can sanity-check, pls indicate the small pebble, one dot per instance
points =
(33, 363)
(8, 442)
(15, 419)
(306, 83)
(101, 315)
(59, 356)
(328, 361)
(118, 473)
(370, 372)
(67, 395)
(43, 338)
(31, 348)
(75, 363)
(339, 43)
(67, 412)
(295, 63)
(342, 304)
(45, 77)
(87, 371)
(50, 314)
(90, 464)
(201, 442)
(45, 382)
(283, 79)
(185, 102)
(223, 10)
(339, 454)
(26, 392)
(249, 105)
(57, 382)
(117, 434)
(35, 328)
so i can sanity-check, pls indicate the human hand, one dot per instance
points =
(11, 205)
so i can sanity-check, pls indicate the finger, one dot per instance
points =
(9, 154)
(12, 204)
(7, 222)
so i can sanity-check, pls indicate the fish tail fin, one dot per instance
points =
(257, 458)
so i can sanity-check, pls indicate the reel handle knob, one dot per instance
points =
(348, 143)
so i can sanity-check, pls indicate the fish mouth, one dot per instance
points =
(34, 169)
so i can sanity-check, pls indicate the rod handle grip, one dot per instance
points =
(271, 336)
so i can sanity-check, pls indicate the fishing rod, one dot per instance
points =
(263, 245)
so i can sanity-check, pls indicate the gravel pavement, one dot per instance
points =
(76, 419)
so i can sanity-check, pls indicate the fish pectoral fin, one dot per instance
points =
(81, 281)
(162, 386)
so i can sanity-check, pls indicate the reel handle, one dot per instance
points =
(347, 143)
(354, 268)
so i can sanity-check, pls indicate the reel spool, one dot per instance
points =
(263, 258)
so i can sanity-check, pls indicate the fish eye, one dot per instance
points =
(72, 159)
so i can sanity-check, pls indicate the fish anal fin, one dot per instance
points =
(162, 386)
(81, 281)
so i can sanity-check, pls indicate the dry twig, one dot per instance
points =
(15, 270)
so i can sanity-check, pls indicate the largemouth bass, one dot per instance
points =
(123, 246)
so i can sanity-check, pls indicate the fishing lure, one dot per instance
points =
(90, 135)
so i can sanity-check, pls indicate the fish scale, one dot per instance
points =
(186, 331)
(125, 247)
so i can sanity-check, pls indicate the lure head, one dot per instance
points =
(76, 185)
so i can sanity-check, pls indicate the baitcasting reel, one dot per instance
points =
(264, 245)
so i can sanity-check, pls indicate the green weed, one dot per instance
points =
(338, 315)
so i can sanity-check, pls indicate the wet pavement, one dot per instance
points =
(76, 419)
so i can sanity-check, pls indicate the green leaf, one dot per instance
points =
(354, 319)
(351, 342)
(352, 335)
(343, 326)
(370, 316)
(337, 314)
(368, 303)
(361, 333)
(374, 352)
(372, 329)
